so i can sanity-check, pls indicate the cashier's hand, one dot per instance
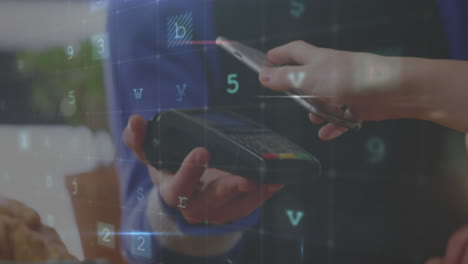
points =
(457, 249)
(368, 84)
(212, 195)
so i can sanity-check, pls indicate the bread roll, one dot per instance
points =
(23, 238)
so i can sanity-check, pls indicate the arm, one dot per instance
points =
(443, 89)
(373, 87)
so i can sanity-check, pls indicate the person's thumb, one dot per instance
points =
(187, 178)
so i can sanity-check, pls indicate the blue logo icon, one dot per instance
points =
(100, 47)
(24, 141)
(377, 149)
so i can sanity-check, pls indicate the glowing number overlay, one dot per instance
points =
(100, 50)
(75, 187)
(297, 8)
(376, 148)
(71, 97)
(24, 141)
(231, 80)
(50, 220)
(141, 244)
(49, 181)
(106, 236)
(70, 52)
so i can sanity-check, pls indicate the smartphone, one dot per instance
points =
(256, 60)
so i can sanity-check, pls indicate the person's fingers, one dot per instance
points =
(283, 78)
(296, 52)
(456, 246)
(314, 119)
(222, 191)
(434, 261)
(331, 131)
(186, 181)
(245, 205)
(134, 135)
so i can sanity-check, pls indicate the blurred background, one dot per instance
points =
(51, 92)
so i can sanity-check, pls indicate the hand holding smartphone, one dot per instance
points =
(256, 60)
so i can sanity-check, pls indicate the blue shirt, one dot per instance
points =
(455, 15)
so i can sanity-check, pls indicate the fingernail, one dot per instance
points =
(129, 125)
(265, 76)
(333, 134)
(275, 187)
(200, 157)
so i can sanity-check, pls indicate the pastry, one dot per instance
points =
(23, 238)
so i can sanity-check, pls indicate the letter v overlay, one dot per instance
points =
(295, 220)
(138, 93)
(296, 79)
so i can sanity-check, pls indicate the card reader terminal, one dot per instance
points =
(237, 145)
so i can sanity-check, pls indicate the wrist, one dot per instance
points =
(438, 90)
(415, 99)
(167, 225)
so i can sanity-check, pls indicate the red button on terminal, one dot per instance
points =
(270, 156)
